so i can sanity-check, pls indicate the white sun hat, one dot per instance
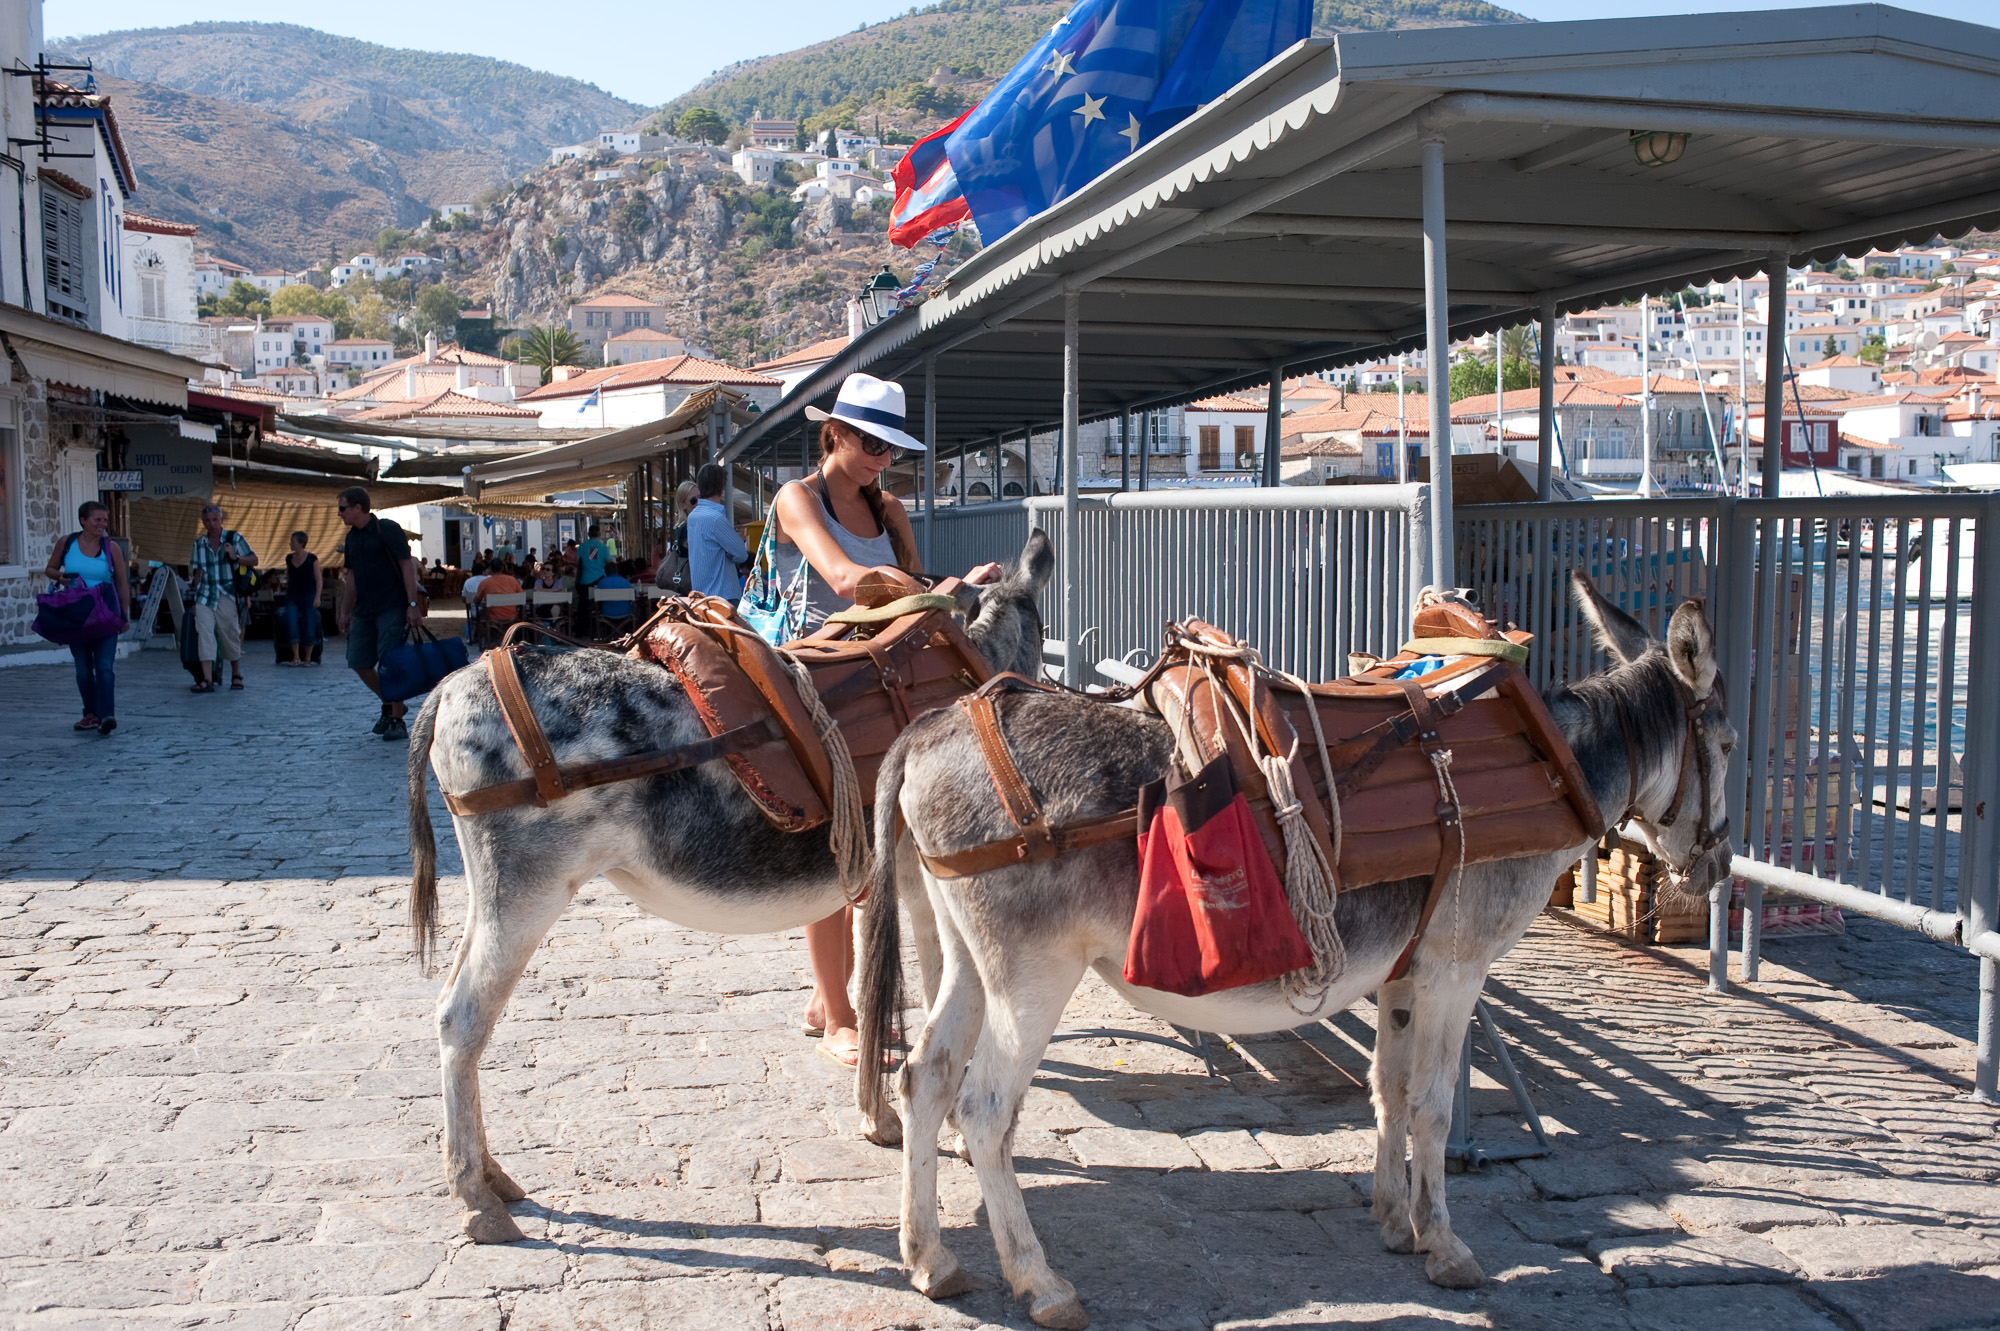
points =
(874, 405)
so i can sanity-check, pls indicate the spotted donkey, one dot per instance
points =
(1016, 940)
(689, 845)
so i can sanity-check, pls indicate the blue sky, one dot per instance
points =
(650, 52)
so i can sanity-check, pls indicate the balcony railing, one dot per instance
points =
(1167, 445)
(182, 339)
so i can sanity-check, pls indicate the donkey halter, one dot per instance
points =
(1693, 755)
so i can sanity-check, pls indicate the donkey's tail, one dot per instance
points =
(880, 966)
(423, 843)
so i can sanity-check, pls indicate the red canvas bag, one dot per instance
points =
(1212, 914)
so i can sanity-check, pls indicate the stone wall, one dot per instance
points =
(44, 523)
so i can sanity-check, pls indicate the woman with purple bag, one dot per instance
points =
(90, 558)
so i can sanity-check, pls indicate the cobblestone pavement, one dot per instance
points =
(219, 1104)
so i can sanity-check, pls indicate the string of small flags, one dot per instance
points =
(940, 238)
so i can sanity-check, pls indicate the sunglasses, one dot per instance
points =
(875, 448)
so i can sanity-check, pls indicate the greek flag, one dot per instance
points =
(596, 399)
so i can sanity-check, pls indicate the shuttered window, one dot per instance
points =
(152, 296)
(62, 257)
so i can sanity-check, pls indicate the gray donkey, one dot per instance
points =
(1017, 940)
(689, 845)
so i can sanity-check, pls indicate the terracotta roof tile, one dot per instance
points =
(811, 354)
(668, 370)
(446, 404)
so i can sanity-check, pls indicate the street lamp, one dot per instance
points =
(878, 297)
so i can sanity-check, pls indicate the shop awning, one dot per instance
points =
(60, 353)
(605, 459)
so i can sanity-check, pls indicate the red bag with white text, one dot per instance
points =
(1212, 914)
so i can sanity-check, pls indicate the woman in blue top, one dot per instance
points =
(91, 558)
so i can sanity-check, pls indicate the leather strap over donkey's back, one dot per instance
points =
(1038, 843)
(549, 780)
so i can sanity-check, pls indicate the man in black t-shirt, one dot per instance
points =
(378, 603)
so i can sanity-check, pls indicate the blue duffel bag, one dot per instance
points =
(419, 666)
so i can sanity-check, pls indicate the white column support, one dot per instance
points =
(1125, 451)
(1072, 535)
(1437, 326)
(1274, 430)
(1778, 269)
(1647, 486)
(1545, 407)
(930, 463)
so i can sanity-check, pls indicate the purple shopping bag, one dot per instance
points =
(70, 616)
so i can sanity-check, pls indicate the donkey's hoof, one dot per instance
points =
(884, 1130)
(1061, 1311)
(1448, 1272)
(492, 1225)
(506, 1189)
(948, 1281)
(1399, 1237)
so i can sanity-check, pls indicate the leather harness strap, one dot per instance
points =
(1000, 854)
(528, 737)
(584, 776)
(1038, 845)
(1451, 818)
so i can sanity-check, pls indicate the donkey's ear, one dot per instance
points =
(1620, 634)
(1691, 646)
(1038, 560)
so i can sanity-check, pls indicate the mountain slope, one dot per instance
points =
(980, 40)
(300, 140)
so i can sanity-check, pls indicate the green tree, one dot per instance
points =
(546, 347)
(1474, 378)
(242, 301)
(437, 310)
(699, 122)
(370, 316)
(1875, 350)
(302, 300)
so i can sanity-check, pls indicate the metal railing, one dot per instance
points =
(177, 336)
(1851, 632)
(1162, 445)
(1307, 574)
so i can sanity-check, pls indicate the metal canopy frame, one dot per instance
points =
(1376, 193)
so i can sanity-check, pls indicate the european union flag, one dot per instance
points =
(1110, 76)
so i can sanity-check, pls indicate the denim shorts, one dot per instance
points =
(371, 637)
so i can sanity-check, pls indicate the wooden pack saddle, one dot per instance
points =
(1507, 784)
(1459, 766)
(872, 678)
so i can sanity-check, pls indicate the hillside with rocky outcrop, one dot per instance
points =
(283, 142)
(745, 275)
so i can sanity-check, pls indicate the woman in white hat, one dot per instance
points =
(833, 527)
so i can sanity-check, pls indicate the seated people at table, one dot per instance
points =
(548, 583)
(482, 562)
(499, 584)
(614, 612)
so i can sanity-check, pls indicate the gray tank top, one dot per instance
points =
(821, 599)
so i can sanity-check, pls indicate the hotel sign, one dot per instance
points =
(171, 467)
(120, 480)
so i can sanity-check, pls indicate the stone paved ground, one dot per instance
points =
(218, 1103)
